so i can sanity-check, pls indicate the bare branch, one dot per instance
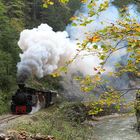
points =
(129, 89)
(111, 52)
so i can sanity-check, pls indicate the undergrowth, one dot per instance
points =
(4, 102)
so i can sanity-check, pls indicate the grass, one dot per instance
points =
(51, 121)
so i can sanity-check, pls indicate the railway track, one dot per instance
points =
(8, 118)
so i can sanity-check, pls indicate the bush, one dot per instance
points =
(75, 112)
(4, 102)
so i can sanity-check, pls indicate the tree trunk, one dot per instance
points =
(137, 107)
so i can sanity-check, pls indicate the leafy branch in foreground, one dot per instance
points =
(121, 36)
(116, 37)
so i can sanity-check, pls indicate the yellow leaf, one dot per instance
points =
(73, 18)
(97, 78)
(51, 3)
(138, 74)
(110, 73)
(96, 38)
(55, 74)
(137, 29)
(93, 4)
(83, 1)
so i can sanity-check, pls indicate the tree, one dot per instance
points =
(125, 29)
(6, 79)
(11, 23)
(119, 4)
(57, 14)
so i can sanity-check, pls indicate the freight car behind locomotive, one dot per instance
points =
(26, 99)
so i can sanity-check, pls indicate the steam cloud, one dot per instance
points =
(43, 51)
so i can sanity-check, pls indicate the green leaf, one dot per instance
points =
(45, 5)
(95, 46)
(89, 6)
(102, 57)
(102, 63)
(74, 24)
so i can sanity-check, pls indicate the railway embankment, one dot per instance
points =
(57, 122)
(62, 122)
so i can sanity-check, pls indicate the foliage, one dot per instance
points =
(118, 3)
(51, 2)
(8, 49)
(4, 101)
(15, 12)
(104, 43)
(108, 103)
(75, 112)
(125, 29)
(56, 15)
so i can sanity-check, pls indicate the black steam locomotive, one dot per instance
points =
(26, 99)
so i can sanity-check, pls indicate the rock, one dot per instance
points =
(12, 135)
(42, 137)
(38, 137)
(50, 137)
(23, 135)
(2, 136)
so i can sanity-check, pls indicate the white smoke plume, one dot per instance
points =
(43, 51)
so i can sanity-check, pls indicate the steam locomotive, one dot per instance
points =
(26, 99)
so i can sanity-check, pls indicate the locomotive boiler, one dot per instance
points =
(27, 99)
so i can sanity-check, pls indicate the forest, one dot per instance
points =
(100, 79)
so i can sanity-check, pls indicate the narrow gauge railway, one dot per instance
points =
(8, 118)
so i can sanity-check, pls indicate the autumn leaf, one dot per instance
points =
(137, 29)
(110, 74)
(73, 18)
(97, 78)
(138, 73)
(83, 1)
(63, 1)
(95, 38)
(94, 4)
(55, 75)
